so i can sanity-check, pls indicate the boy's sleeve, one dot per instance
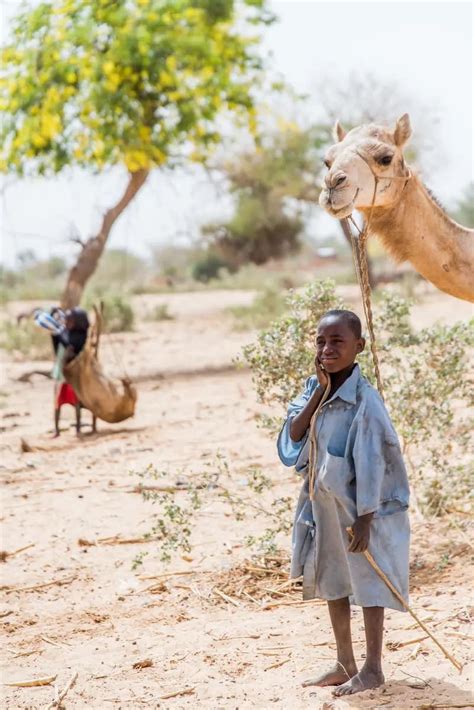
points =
(289, 450)
(381, 481)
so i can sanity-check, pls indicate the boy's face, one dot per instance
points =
(336, 344)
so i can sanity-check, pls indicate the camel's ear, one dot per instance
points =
(402, 130)
(338, 132)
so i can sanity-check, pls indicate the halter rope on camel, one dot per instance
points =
(359, 252)
(359, 248)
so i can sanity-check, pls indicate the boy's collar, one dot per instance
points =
(348, 390)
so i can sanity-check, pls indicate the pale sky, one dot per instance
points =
(424, 47)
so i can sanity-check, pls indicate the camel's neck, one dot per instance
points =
(416, 229)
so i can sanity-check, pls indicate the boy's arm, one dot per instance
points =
(361, 533)
(299, 424)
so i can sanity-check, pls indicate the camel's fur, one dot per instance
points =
(110, 400)
(407, 219)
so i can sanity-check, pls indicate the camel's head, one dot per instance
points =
(353, 161)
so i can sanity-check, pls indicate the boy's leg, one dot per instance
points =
(345, 668)
(78, 419)
(56, 421)
(370, 675)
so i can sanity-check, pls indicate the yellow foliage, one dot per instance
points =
(50, 125)
(136, 160)
(108, 67)
(166, 79)
(158, 156)
(38, 140)
(144, 132)
(171, 63)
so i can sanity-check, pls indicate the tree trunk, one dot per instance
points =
(91, 251)
(347, 233)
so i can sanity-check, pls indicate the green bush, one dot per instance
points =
(118, 313)
(27, 340)
(267, 305)
(207, 267)
(159, 312)
(426, 381)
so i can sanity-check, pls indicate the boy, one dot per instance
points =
(359, 481)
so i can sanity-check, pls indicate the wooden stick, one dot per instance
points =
(115, 540)
(185, 691)
(57, 702)
(35, 682)
(296, 602)
(395, 645)
(277, 665)
(397, 594)
(169, 574)
(60, 582)
(225, 597)
(4, 556)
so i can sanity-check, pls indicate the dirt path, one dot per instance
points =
(101, 620)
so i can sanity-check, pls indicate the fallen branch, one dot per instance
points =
(225, 597)
(430, 706)
(26, 376)
(114, 540)
(4, 555)
(58, 701)
(35, 682)
(395, 645)
(296, 602)
(169, 574)
(277, 665)
(59, 582)
(185, 691)
(53, 643)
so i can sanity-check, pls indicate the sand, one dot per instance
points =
(97, 617)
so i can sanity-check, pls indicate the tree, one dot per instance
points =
(272, 185)
(133, 83)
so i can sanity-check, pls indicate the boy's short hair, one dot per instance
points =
(352, 319)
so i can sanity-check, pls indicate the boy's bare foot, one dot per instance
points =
(337, 675)
(364, 680)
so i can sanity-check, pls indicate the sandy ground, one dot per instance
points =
(98, 618)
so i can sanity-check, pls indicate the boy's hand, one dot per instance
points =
(320, 373)
(361, 533)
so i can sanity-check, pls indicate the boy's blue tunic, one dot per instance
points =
(359, 470)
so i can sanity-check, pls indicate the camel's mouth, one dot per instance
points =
(340, 212)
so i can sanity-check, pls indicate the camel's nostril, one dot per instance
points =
(334, 180)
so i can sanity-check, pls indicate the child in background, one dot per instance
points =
(69, 335)
(357, 480)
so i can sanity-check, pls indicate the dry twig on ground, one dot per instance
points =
(57, 702)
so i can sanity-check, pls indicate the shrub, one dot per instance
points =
(267, 305)
(425, 375)
(118, 313)
(208, 267)
(27, 340)
(159, 312)
(177, 507)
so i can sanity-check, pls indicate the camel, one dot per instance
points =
(405, 216)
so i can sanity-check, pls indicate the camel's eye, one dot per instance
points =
(385, 159)
(327, 163)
